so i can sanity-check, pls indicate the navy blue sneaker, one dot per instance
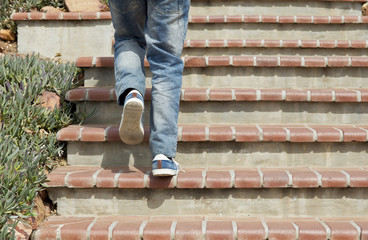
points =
(163, 166)
(131, 127)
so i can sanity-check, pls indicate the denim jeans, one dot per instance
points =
(156, 28)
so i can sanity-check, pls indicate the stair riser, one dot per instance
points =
(94, 38)
(224, 154)
(241, 113)
(251, 77)
(212, 202)
(285, 8)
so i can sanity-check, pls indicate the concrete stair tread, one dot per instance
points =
(219, 178)
(225, 133)
(59, 16)
(244, 61)
(200, 227)
(104, 94)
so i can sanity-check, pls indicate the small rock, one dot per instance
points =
(23, 231)
(84, 5)
(7, 35)
(50, 100)
(50, 9)
(365, 9)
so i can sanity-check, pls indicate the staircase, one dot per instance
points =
(273, 127)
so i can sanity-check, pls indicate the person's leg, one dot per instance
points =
(129, 18)
(165, 33)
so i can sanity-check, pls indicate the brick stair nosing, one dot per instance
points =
(200, 227)
(211, 178)
(225, 133)
(244, 61)
(212, 19)
(105, 94)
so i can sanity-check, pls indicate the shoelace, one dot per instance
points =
(178, 167)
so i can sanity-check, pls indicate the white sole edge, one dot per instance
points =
(164, 172)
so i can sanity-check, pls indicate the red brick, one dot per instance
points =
(300, 134)
(314, 62)
(234, 18)
(304, 178)
(359, 61)
(321, 95)
(290, 43)
(272, 43)
(321, 19)
(89, 15)
(56, 179)
(343, 43)
(245, 95)
(247, 134)
(188, 230)
(19, 16)
(271, 95)
(76, 230)
(275, 178)
(235, 43)
(269, 19)
(342, 230)
(251, 230)
(218, 61)
(195, 62)
(247, 179)
(47, 233)
(327, 134)
(100, 231)
(221, 95)
(157, 230)
(217, 19)
(53, 15)
(358, 44)
(98, 94)
(364, 19)
(243, 61)
(253, 43)
(309, 43)
(127, 230)
(197, 43)
(351, 19)
(333, 178)
(290, 61)
(364, 95)
(281, 230)
(358, 178)
(267, 61)
(273, 133)
(296, 95)
(147, 94)
(70, 133)
(252, 19)
(93, 134)
(106, 178)
(216, 43)
(147, 133)
(304, 19)
(82, 179)
(71, 16)
(113, 134)
(336, 19)
(346, 96)
(286, 19)
(353, 134)
(363, 224)
(36, 16)
(199, 19)
(195, 94)
(160, 182)
(78, 94)
(131, 179)
(190, 179)
(105, 15)
(327, 44)
(104, 62)
(338, 61)
(193, 134)
(218, 179)
(84, 62)
(217, 230)
(309, 229)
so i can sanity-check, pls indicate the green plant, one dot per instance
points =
(9, 6)
(28, 131)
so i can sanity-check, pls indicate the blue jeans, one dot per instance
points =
(156, 28)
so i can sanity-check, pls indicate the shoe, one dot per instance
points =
(163, 166)
(131, 127)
